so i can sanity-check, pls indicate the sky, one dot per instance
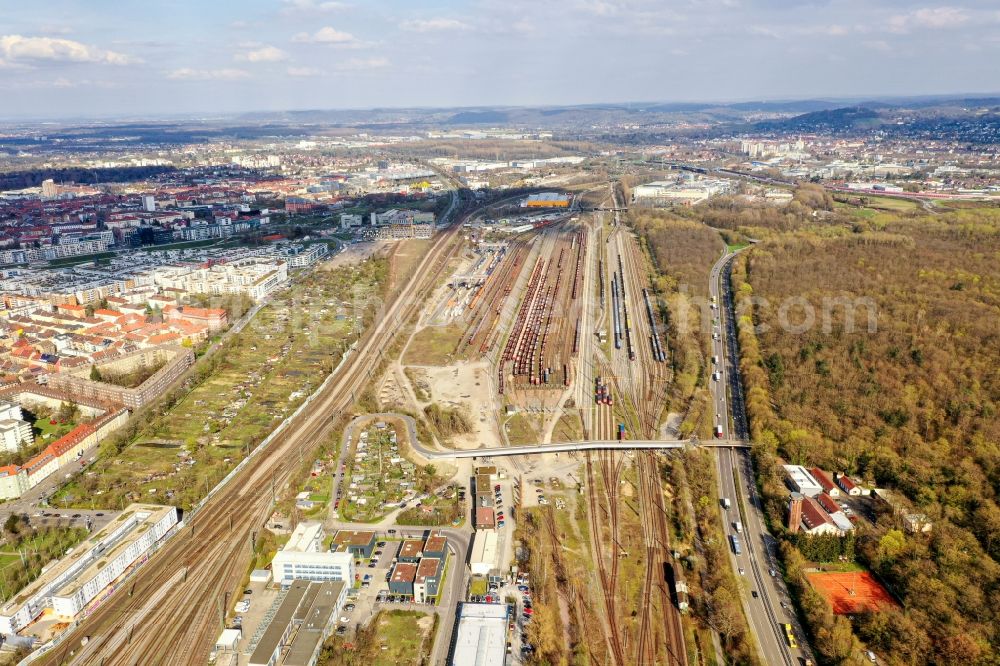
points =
(159, 58)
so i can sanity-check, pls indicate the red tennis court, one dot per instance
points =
(851, 593)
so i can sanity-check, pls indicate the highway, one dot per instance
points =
(768, 611)
(194, 572)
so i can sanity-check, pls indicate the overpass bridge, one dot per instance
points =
(566, 447)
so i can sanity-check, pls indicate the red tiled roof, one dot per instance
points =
(813, 515)
(827, 503)
(823, 478)
(846, 483)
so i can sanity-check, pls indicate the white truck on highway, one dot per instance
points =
(738, 526)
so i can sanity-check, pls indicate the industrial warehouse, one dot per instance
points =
(481, 635)
(69, 586)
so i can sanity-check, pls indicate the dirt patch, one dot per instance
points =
(353, 254)
(466, 384)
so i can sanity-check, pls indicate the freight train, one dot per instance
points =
(654, 338)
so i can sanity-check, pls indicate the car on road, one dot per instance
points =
(248, 591)
(341, 630)
(497, 487)
(349, 607)
(500, 523)
(741, 571)
(345, 620)
(772, 572)
(380, 544)
(753, 593)
(391, 531)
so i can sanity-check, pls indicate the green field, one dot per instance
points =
(242, 393)
(401, 633)
(40, 546)
(434, 345)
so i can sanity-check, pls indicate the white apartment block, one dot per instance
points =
(15, 433)
(88, 569)
(255, 277)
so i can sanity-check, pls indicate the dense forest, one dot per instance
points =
(683, 252)
(873, 347)
(16, 180)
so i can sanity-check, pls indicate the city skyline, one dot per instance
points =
(270, 55)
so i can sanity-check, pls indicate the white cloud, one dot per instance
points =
(20, 50)
(311, 6)
(940, 17)
(327, 35)
(303, 71)
(928, 17)
(433, 25)
(224, 74)
(262, 54)
(359, 64)
(599, 7)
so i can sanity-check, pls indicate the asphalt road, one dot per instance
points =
(771, 608)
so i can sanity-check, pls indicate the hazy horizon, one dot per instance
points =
(116, 59)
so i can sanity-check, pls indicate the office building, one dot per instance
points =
(304, 558)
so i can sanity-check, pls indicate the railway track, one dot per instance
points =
(608, 578)
(215, 545)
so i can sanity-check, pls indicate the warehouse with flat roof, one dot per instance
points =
(480, 635)
(301, 624)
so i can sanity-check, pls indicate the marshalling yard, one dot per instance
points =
(553, 325)
(561, 323)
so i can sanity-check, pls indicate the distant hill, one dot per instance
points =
(479, 118)
(835, 121)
